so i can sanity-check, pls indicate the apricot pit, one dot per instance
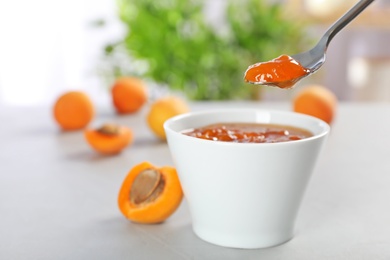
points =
(147, 186)
(109, 129)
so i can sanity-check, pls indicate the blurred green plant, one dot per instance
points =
(181, 50)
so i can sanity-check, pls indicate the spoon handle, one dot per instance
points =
(345, 19)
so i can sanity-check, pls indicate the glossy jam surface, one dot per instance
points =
(282, 72)
(248, 133)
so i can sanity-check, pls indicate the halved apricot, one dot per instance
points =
(150, 194)
(109, 139)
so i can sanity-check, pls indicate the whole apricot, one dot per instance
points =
(163, 109)
(73, 110)
(316, 100)
(150, 194)
(129, 94)
(109, 138)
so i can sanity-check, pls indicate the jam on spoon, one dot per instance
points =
(282, 72)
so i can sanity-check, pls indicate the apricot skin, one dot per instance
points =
(109, 144)
(317, 101)
(129, 94)
(163, 109)
(158, 210)
(73, 110)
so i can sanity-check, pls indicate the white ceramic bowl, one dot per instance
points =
(244, 195)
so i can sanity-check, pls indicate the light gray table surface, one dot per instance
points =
(58, 198)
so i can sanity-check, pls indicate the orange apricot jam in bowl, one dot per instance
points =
(249, 133)
(244, 171)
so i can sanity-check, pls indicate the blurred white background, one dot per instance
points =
(49, 46)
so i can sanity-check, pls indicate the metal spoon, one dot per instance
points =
(313, 59)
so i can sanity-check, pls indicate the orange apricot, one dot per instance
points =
(316, 100)
(150, 194)
(109, 139)
(163, 109)
(73, 110)
(129, 94)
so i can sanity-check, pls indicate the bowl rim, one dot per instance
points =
(167, 125)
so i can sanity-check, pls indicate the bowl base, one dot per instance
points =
(242, 242)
